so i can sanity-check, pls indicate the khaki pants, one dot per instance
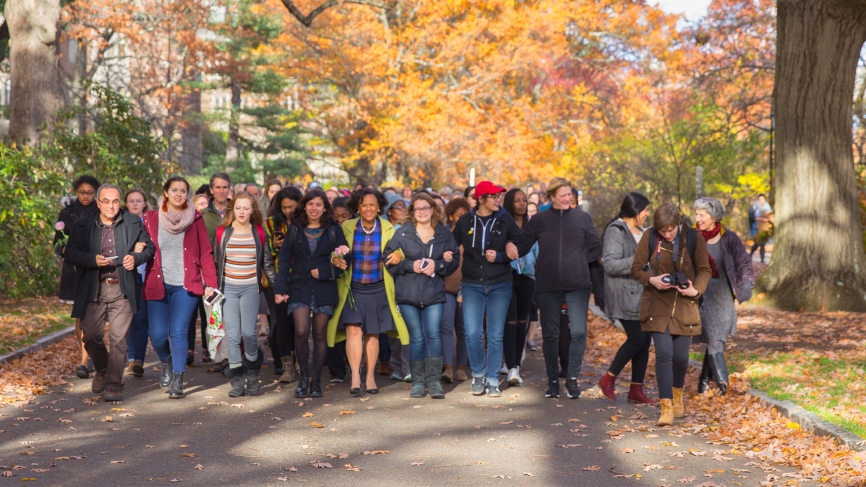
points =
(111, 306)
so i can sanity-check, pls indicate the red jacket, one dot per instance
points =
(197, 259)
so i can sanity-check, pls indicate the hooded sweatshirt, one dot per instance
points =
(478, 234)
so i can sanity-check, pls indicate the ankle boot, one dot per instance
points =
(607, 386)
(706, 375)
(303, 389)
(416, 368)
(316, 385)
(433, 367)
(720, 372)
(165, 376)
(637, 396)
(236, 379)
(252, 375)
(679, 408)
(448, 374)
(460, 374)
(289, 374)
(176, 391)
(666, 418)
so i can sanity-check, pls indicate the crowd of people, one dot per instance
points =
(423, 286)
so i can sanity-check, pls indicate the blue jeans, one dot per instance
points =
(423, 325)
(169, 318)
(136, 341)
(494, 299)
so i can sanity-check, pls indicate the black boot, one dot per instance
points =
(433, 369)
(165, 376)
(176, 391)
(316, 385)
(706, 375)
(720, 372)
(419, 376)
(252, 373)
(236, 379)
(303, 389)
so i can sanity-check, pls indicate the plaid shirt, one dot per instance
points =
(367, 265)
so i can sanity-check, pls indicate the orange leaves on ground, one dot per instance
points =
(33, 374)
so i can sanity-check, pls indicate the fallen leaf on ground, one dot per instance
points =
(415, 464)
(308, 414)
(317, 424)
(593, 468)
(351, 468)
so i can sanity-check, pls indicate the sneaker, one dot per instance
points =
(396, 376)
(477, 387)
(408, 378)
(337, 379)
(523, 356)
(573, 391)
(81, 372)
(531, 345)
(503, 370)
(514, 378)
(492, 391)
(112, 395)
(552, 389)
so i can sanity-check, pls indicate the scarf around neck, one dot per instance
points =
(709, 235)
(175, 222)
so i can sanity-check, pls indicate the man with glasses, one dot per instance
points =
(102, 247)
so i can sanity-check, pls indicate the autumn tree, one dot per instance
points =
(818, 259)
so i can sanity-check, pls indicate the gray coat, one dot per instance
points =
(622, 292)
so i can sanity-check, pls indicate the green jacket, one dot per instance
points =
(344, 281)
(212, 219)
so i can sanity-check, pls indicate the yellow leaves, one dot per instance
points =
(792, 425)
(308, 414)
(316, 424)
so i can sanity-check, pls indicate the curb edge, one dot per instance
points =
(41, 343)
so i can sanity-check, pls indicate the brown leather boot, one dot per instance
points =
(99, 382)
(667, 413)
(448, 374)
(460, 374)
(289, 373)
(607, 384)
(679, 409)
(636, 395)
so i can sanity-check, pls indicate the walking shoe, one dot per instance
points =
(522, 357)
(706, 375)
(337, 379)
(666, 418)
(205, 356)
(137, 368)
(176, 391)
(514, 378)
(531, 345)
(408, 378)
(99, 381)
(433, 371)
(419, 373)
(503, 370)
(492, 391)
(607, 386)
(677, 403)
(460, 374)
(396, 376)
(572, 389)
(289, 374)
(384, 369)
(81, 372)
(112, 395)
(448, 374)
(165, 376)
(552, 389)
(477, 386)
(316, 385)
(303, 389)
(637, 396)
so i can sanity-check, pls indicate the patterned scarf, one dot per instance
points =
(709, 235)
(175, 222)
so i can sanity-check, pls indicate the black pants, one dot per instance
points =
(337, 360)
(596, 274)
(190, 335)
(283, 330)
(550, 305)
(564, 341)
(635, 349)
(672, 361)
(515, 322)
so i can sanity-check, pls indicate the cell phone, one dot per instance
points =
(424, 263)
(113, 257)
(214, 297)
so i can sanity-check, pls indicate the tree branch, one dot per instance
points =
(307, 20)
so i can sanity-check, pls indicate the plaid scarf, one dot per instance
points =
(367, 265)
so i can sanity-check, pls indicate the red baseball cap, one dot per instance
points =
(485, 188)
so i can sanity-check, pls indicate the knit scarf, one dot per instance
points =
(709, 235)
(175, 222)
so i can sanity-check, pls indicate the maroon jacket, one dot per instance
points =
(197, 259)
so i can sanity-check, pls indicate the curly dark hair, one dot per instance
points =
(86, 179)
(358, 196)
(299, 216)
(290, 192)
(454, 205)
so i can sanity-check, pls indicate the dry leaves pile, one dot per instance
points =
(24, 322)
(744, 423)
(23, 379)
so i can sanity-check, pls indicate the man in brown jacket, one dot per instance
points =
(669, 308)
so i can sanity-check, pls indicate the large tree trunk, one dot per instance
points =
(818, 257)
(232, 151)
(37, 92)
(191, 134)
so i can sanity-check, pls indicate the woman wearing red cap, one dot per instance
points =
(484, 233)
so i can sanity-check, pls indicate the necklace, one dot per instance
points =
(369, 232)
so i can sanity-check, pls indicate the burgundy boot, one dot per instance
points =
(606, 384)
(636, 395)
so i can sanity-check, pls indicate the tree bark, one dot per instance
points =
(37, 92)
(191, 134)
(232, 151)
(818, 260)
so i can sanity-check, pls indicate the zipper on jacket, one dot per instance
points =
(560, 245)
(674, 310)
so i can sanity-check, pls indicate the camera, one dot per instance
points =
(679, 280)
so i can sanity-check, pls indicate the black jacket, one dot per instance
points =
(85, 243)
(567, 243)
(264, 259)
(476, 239)
(416, 289)
(295, 264)
(69, 215)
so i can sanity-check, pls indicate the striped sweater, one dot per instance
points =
(240, 260)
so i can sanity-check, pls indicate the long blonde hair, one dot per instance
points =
(256, 218)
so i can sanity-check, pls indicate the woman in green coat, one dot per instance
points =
(367, 304)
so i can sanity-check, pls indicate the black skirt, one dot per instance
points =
(371, 309)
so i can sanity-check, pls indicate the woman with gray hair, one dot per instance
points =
(732, 279)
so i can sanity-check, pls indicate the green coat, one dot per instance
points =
(345, 280)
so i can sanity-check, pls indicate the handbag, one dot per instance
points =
(215, 329)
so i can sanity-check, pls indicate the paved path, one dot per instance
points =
(69, 437)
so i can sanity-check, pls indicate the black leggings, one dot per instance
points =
(283, 332)
(672, 361)
(190, 334)
(302, 338)
(564, 341)
(515, 322)
(635, 349)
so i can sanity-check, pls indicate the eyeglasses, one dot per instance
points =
(86, 193)
(398, 207)
(108, 202)
(423, 210)
(495, 197)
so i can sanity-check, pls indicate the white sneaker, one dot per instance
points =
(514, 377)
(503, 370)
(523, 356)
